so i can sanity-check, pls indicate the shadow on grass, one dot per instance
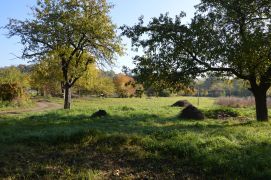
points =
(136, 146)
(57, 127)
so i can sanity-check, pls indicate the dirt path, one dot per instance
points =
(41, 105)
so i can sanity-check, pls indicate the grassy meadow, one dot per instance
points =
(141, 139)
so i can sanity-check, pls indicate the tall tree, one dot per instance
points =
(229, 38)
(76, 32)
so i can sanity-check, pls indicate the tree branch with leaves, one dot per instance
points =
(76, 32)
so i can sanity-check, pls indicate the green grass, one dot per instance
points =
(141, 138)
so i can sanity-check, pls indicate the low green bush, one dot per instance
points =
(221, 113)
(127, 108)
(165, 93)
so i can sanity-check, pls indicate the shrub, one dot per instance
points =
(126, 108)
(164, 93)
(139, 91)
(236, 102)
(13, 85)
(4, 104)
(11, 92)
(125, 85)
(8, 92)
(221, 113)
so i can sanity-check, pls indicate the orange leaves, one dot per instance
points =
(125, 85)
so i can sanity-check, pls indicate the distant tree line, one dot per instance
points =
(214, 87)
(43, 79)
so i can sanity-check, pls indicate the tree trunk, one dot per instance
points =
(260, 102)
(42, 92)
(67, 97)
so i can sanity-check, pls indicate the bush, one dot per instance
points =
(236, 102)
(125, 86)
(126, 108)
(164, 93)
(13, 84)
(139, 93)
(8, 92)
(221, 113)
(11, 92)
(4, 104)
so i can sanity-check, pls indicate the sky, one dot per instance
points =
(124, 12)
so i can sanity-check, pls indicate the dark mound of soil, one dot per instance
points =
(181, 103)
(191, 112)
(100, 113)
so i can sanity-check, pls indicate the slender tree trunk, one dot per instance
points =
(42, 92)
(67, 97)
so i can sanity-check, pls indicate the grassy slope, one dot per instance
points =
(141, 138)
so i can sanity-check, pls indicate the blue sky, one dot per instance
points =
(124, 12)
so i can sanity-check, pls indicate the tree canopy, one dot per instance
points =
(227, 38)
(75, 32)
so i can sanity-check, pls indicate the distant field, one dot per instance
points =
(142, 138)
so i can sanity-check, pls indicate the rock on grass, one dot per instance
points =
(191, 112)
(100, 113)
